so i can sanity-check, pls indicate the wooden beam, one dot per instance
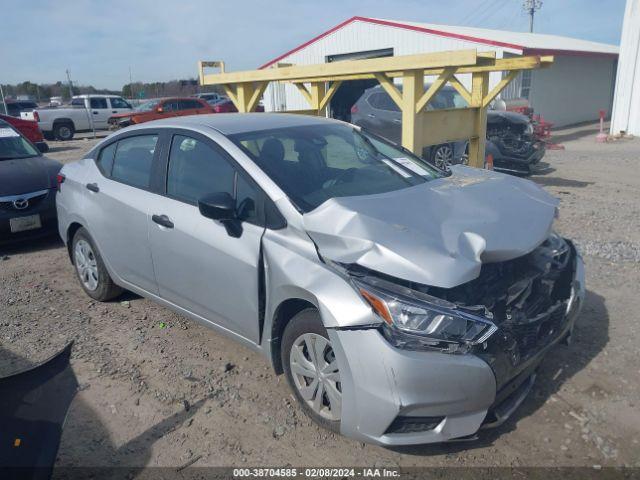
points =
(230, 91)
(390, 88)
(348, 67)
(435, 88)
(257, 94)
(479, 90)
(330, 93)
(305, 93)
(412, 90)
(460, 88)
(498, 88)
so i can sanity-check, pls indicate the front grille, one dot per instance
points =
(413, 424)
(32, 202)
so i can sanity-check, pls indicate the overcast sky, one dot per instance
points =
(163, 40)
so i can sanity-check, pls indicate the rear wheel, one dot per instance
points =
(311, 369)
(92, 273)
(63, 131)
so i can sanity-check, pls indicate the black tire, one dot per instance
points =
(307, 321)
(106, 289)
(63, 131)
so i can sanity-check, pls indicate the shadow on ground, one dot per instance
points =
(590, 336)
(49, 242)
(560, 182)
(83, 426)
(576, 134)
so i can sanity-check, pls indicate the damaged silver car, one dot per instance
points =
(404, 304)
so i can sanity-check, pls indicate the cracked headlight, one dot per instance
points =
(415, 320)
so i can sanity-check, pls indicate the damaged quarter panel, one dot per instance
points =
(438, 233)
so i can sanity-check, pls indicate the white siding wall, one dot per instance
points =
(626, 106)
(573, 89)
(359, 36)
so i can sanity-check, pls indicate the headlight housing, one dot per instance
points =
(529, 129)
(417, 321)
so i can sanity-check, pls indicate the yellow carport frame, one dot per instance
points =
(318, 84)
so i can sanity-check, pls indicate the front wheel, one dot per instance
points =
(92, 273)
(442, 156)
(311, 368)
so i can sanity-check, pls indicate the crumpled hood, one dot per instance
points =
(438, 233)
(495, 116)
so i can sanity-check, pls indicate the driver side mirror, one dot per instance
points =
(218, 206)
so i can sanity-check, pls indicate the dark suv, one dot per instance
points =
(509, 135)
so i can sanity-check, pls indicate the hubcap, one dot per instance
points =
(65, 132)
(315, 373)
(86, 264)
(444, 156)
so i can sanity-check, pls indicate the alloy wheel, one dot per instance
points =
(314, 369)
(443, 157)
(86, 264)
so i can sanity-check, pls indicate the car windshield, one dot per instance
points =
(313, 164)
(13, 145)
(147, 106)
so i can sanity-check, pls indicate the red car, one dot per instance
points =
(29, 129)
(227, 106)
(163, 108)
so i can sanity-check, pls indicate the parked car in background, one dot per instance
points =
(29, 129)
(209, 96)
(510, 135)
(85, 113)
(162, 108)
(16, 107)
(227, 106)
(28, 184)
(299, 236)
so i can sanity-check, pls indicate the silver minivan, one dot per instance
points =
(403, 303)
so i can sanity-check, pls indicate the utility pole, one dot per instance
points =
(70, 85)
(4, 103)
(531, 7)
(131, 84)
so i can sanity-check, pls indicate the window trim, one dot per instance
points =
(155, 163)
(262, 197)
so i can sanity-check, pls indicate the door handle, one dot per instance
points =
(396, 120)
(162, 220)
(93, 187)
(114, 111)
(371, 115)
(95, 113)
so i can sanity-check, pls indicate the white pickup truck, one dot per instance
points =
(86, 112)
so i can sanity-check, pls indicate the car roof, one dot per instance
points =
(233, 123)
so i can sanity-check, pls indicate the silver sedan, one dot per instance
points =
(403, 303)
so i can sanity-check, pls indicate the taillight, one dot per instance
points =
(60, 178)
(36, 116)
(354, 109)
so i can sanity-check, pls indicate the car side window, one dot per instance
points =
(77, 102)
(105, 159)
(119, 103)
(133, 160)
(196, 170)
(98, 102)
(189, 104)
(171, 106)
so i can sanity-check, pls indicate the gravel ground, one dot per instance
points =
(160, 390)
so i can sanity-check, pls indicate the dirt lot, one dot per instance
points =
(136, 376)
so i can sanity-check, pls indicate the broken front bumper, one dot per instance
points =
(400, 397)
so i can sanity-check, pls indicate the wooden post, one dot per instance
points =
(479, 90)
(412, 91)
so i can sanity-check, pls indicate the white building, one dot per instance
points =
(626, 103)
(573, 90)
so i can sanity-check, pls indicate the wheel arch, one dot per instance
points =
(63, 120)
(71, 231)
(285, 311)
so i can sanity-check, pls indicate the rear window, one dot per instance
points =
(133, 160)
